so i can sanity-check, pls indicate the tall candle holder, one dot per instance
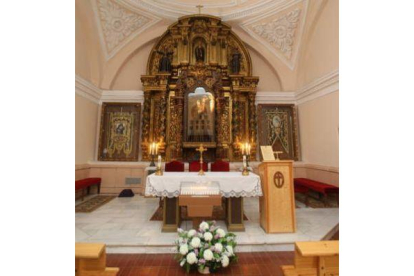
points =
(245, 171)
(159, 170)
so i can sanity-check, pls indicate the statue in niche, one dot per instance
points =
(235, 62)
(199, 52)
(165, 61)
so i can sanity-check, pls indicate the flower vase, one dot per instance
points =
(205, 270)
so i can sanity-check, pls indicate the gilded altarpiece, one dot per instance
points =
(278, 127)
(199, 53)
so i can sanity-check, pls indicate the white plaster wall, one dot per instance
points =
(319, 130)
(86, 119)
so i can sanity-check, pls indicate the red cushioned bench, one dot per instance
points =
(85, 184)
(322, 188)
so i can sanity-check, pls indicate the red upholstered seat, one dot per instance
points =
(84, 183)
(174, 166)
(220, 166)
(317, 186)
(301, 189)
(195, 166)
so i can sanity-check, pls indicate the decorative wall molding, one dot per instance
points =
(275, 97)
(226, 10)
(87, 90)
(118, 25)
(320, 87)
(122, 96)
(280, 31)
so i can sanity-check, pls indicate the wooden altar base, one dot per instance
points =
(234, 215)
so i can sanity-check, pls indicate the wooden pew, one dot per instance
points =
(314, 259)
(90, 260)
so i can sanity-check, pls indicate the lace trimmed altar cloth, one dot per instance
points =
(232, 184)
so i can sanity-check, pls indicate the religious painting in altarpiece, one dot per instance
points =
(119, 132)
(278, 128)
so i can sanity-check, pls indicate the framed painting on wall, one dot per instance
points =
(119, 132)
(278, 128)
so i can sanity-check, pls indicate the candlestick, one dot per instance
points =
(245, 170)
(158, 171)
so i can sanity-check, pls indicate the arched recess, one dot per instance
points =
(129, 68)
(269, 78)
(286, 76)
(114, 64)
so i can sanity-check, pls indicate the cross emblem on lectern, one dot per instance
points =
(279, 179)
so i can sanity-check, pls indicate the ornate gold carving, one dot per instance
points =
(165, 93)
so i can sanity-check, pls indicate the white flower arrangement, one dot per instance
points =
(208, 248)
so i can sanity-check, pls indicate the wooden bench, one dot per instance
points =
(86, 184)
(303, 184)
(90, 260)
(319, 258)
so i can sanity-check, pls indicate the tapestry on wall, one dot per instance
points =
(278, 128)
(119, 132)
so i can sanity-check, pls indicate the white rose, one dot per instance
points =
(195, 242)
(191, 258)
(229, 249)
(204, 226)
(208, 236)
(191, 233)
(225, 261)
(184, 249)
(221, 233)
(208, 255)
(219, 247)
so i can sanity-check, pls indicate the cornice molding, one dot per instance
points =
(87, 90)
(263, 97)
(320, 87)
(122, 96)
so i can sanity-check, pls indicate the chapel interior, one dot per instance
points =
(189, 111)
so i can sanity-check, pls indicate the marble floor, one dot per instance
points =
(123, 225)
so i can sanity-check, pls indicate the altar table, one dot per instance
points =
(233, 187)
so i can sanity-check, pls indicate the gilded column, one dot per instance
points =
(146, 125)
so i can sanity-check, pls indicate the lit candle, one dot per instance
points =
(242, 148)
(156, 148)
(248, 149)
(244, 161)
(159, 161)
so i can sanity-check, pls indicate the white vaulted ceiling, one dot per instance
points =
(275, 28)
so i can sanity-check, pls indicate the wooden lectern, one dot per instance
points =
(277, 205)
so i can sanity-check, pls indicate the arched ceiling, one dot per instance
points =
(274, 27)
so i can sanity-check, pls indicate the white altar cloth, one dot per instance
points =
(232, 184)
